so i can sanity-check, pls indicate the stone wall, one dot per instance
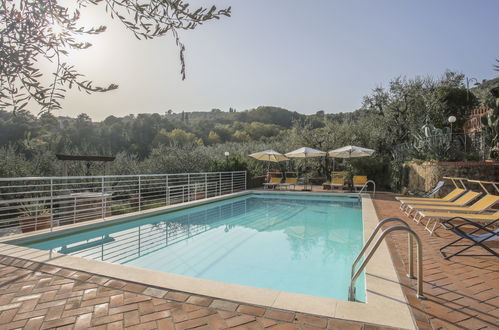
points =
(423, 177)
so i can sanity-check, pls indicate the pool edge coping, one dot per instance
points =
(385, 302)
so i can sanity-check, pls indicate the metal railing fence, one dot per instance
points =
(35, 203)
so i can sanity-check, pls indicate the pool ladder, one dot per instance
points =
(411, 237)
(365, 187)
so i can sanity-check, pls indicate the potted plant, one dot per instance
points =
(35, 216)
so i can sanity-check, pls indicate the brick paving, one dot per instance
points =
(37, 296)
(461, 294)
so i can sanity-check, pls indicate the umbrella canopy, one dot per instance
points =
(269, 156)
(350, 152)
(305, 152)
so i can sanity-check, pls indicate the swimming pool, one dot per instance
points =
(300, 244)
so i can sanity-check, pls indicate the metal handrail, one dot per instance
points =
(365, 186)
(420, 295)
(370, 239)
(109, 176)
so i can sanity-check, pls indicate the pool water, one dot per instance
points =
(300, 244)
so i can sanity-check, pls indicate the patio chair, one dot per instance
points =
(468, 197)
(480, 235)
(453, 195)
(337, 180)
(274, 180)
(289, 181)
(359, 181)
(438, 217)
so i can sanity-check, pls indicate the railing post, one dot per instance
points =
(36, 216)
(231, 182)
(189, 187)
(167, 193)
(219, 183)
(246, 180)
(410, 255)
(205, 185)
(140, 193)
(102, 198)
(51, 204)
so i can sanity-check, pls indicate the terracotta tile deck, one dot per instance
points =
(37, 296)
(462, 294)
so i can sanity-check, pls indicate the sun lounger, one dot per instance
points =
(435, 190)
(289, 181)
(337, 180)
(478, 207)
(468, 197)
(359, 181)
(434, 218)
(429, 194)
(479, 235)
(274, 181)
(453, 195)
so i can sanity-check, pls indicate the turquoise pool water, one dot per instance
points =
(301, 244)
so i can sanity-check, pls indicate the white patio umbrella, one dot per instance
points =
(269, 156)
(305, 152)
(350, 152)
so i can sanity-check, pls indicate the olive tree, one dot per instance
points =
(34, 30)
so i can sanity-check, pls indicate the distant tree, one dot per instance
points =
(242, 136)
(214, 138)
(177, 137)
(451, 101)
(110, 120)
(31, 30)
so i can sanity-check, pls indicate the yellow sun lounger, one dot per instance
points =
(437, 217)
(288, 182)
(359, 181)
(425, 205)
(274, 181)
(452, 196)
(337, 180)
(483, 204)
(448, 198)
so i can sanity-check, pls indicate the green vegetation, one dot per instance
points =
(196, 141)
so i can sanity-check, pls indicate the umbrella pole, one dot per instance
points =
(307, 182)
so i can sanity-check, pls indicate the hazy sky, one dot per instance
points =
(300, 55)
